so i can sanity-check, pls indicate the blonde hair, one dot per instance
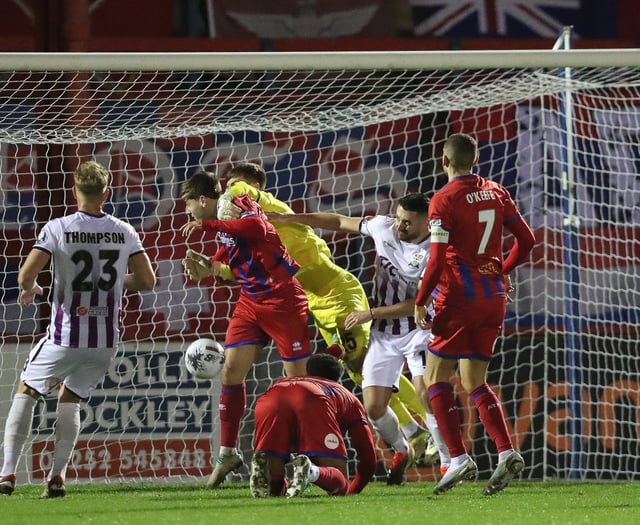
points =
(91, 178)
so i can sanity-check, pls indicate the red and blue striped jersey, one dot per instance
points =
(253, 250)
(469, 214)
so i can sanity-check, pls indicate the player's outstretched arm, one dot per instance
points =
(393, 311)
(326, 221)
(199, 266)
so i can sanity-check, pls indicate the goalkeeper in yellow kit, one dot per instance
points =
(333, 293)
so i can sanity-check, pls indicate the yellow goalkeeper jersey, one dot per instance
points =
(307, 248)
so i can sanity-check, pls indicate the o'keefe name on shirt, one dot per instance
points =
(94, 237)
(479, 196)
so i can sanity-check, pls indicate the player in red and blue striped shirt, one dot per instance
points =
(272, 303)
(467, 218)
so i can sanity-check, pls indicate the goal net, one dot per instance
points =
(347, 133)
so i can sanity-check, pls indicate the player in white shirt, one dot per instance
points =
(94, 257)
(402, 249)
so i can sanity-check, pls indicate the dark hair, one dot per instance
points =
(462, 151)
(203, 183)
(324, 365)
(416, 202)
(250, 171)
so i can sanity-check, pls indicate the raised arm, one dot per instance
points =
(392, 311)
(326, 221)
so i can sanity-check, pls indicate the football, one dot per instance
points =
(204, 358)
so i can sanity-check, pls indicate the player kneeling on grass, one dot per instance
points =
(308, 416)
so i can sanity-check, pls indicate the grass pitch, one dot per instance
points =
(522, 503)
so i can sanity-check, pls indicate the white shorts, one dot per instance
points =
(79, 369)
(384, 361)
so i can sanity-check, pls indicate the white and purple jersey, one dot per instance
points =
(398, 268)
(90, 255)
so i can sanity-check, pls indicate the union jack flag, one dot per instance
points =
(513, 18)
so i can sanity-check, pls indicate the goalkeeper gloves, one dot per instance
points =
(227, 209)
(197, 265)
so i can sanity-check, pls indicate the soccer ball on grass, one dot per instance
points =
(204, 358)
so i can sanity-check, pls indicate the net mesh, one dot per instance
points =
(348, 141)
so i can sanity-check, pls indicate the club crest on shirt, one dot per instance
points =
(416, 259)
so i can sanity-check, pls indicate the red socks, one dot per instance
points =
(332, 481)
(233, 403)
(492, 416)
(443, 404)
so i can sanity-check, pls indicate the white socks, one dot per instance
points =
(388, 429)
(457, 461)
(227, 451)
(16, 431)
(67, 431)
(410, 429)
(504, 455)
(314, 473)
(432, 425)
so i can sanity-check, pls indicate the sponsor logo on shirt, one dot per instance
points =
(331, 441)
(92, 311)
(226, 239)
(488, 269)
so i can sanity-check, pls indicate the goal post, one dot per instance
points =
(350, 133)
(319, 60)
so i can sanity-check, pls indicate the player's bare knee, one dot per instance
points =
(24, 389)
(375, 410)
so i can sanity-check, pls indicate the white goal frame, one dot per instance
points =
(391, 60)
(323, 61)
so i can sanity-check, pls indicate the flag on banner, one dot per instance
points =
(302, 18)
(514, 18)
